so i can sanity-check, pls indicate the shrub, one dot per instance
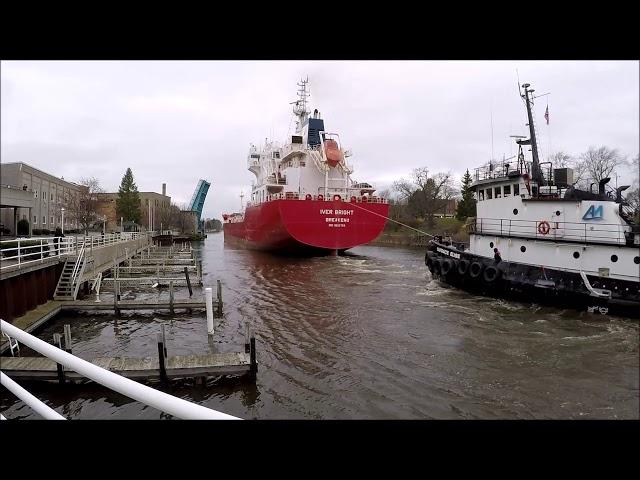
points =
(23, 227)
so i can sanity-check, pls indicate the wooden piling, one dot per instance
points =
(161, 359)
(171, 297)
(67, 338)
(253, 369)
(219, 293)
(59, 367)
(247, 344)
(186, 274)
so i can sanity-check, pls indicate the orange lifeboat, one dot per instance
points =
(332, 152)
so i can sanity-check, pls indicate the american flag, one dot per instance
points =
(546, 115)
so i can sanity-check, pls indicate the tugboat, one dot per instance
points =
(304, 199)
(538, 238)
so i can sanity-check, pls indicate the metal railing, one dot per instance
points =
(26, 251)
(162, 401)
(567, 231)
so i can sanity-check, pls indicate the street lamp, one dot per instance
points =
(62, 210)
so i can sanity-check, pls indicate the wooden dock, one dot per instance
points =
(146, 368)
(91, 305)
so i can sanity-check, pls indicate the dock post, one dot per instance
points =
(59, 367)
(253, 369)
(186, 274)
(115, 299)
(209, 302)
(158, 274)
(164, 343)
(219, 298)
(67, 338)
(163, 371)
(199, 271)
(171, 297)
(247, 344)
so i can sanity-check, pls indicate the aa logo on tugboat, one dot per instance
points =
(593, 213)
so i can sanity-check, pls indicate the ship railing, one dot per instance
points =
(498, 170)
(549, 229)
(164, 402)
(320, 197)
(24, 252)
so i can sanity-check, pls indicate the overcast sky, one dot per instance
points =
(176, 122)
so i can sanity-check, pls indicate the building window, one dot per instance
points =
(51, 221)
(51, 197)
(44, 220)
(489, 194)
(35, 220)
(498, 190)
(35, 194)
(516, 189)
(507, 190)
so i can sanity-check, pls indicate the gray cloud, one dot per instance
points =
(175, 122)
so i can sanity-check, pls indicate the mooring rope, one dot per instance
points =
(394, 221)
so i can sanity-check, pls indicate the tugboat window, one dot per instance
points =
(636, 260)
(507, 190)
(576, 254)
(515, 211)
(491, 244)
(489, 194)
(557, 213)
(516, 189)
(480, 195)
(523, 249)
(498, 192)
(614, 258)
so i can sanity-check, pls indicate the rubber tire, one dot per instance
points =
(493, 274)
(446, 266)
(429, 263)
(477, 267)
(463, 266)
(436, 266)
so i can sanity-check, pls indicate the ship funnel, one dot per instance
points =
(601, 185)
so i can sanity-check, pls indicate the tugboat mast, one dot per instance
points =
(536, 173)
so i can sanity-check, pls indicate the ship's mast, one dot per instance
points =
(536, 171)
(300, 107)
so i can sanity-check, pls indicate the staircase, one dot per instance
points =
(68, 284)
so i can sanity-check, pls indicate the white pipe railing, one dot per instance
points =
(33, 402)
(49, 247)
(147, 395)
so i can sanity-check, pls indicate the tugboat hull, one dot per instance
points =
(531, 283)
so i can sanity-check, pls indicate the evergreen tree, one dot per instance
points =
(467, 206)
(128, 201)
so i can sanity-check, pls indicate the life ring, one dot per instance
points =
(320, 197)
(475, 269)
(463, 266)
(308, 196)
(337, 198)
(543, 227)
(491, 273)
(353, 199)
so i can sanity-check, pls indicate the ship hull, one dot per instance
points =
(307, 226)
(530, 283)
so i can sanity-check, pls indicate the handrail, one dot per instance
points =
(33, 402)
(55, 247)
(162, 401)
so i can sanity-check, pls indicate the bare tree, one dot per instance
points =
(564, 160)
(599, 163)
(83, 206)
(426, 194)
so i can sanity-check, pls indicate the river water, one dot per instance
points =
(367, 335)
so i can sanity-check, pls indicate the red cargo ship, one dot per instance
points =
(304, 198)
